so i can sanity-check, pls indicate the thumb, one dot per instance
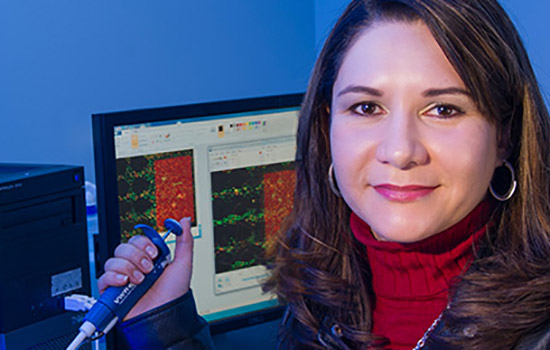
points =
(183, 253)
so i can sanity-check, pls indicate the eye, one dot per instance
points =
(367, 109)
(444, 111)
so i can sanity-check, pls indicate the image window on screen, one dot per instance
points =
(233, 175)
(154, 187)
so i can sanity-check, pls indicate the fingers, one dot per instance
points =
(111, 278)
(131, 262)
(144, 244)
(183, 253)
(134, 259)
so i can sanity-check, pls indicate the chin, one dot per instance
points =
(401, 232)
(404, 223)
(409, 238)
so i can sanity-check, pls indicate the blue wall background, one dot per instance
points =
(61, 61)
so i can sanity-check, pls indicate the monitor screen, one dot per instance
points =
(229, 166)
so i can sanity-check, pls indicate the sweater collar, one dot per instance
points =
(425, 268)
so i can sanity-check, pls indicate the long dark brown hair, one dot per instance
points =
(318, 266)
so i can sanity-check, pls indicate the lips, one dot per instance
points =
(403, 194)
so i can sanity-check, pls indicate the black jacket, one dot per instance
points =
(538, 340)
(177, 326)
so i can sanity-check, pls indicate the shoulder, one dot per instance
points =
(537, 340)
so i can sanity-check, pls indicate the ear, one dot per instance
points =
(504, 145)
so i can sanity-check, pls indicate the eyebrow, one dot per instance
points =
(428, 93)
(361, 90)
(446, 91)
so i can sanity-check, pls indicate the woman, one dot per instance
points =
(428, 225)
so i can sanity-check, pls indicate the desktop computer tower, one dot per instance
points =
(43, 254)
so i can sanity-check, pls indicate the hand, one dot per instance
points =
(134, 259)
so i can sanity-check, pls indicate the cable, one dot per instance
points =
(78, 302)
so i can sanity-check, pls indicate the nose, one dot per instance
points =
(401, 144)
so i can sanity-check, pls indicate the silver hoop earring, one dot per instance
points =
(512, 187)
(332, 181)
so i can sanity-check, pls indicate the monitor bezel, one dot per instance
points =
(103, 125)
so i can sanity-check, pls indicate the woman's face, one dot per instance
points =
(412, 153)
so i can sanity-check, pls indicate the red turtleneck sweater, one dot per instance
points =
(411, 281)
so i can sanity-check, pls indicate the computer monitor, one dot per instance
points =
(229, 166)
